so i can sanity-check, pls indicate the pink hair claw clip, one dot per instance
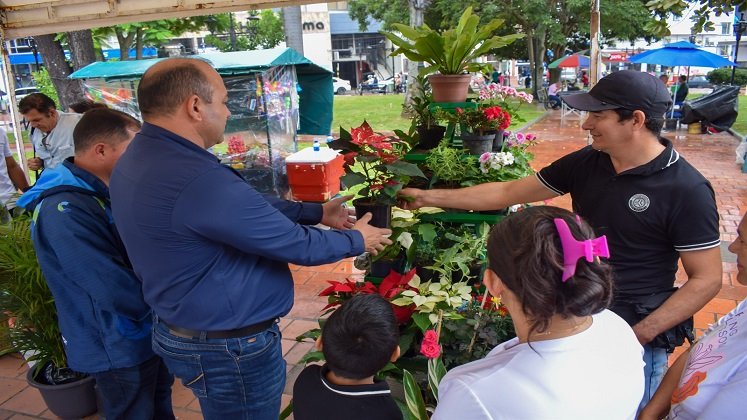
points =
(574, 249)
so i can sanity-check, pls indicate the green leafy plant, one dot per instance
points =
(26, 299)
(452, 51)
(511, 163)
(450, 166)
(465, 255)
(374, 161)
(44, 84)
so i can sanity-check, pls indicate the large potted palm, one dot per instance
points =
(450, 54)
(32, 327)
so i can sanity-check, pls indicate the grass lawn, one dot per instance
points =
(740, 126)
(383, 112)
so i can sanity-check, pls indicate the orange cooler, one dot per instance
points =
(314, 175)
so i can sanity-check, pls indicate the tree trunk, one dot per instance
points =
(69, 91)
(417, 8)
(293, 27)
(125, 41)
(139, 43)
(540, 36)
(530, 51)
(81, 48)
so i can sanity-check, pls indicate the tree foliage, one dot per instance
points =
(262, 30)
(144, 34)
(700, 15)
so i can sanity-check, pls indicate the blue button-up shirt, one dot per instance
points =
(211, 251)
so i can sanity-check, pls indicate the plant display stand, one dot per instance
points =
(450, 107)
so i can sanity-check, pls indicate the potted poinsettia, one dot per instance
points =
(451, 53)
(482, 123)
(374, 162)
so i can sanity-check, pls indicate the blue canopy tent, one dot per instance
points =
(272, 94)
(678, 54)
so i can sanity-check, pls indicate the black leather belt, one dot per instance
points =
(237, 333)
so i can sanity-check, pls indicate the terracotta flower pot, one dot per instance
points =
(449, 87)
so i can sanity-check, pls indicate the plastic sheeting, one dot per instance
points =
(717, 109)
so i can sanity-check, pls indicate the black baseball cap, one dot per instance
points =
(628, 89)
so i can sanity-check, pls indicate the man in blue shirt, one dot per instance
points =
(105, 323)
(212, 252)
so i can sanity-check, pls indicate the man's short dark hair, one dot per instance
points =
(654, 125)
(360, 337)
(163, 91)
(81, 107)
(38, 101)
(103, 125)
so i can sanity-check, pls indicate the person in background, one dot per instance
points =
(213, 253)
(495, 76)
(81, 107)
(357, 340)
(572, 358)
(528, 81)
(682, 90)
(584, 79)
(51, 131)
(12, 178)
(709, 380)
(631, 185)
(104, 320)
(552, 94)
(664, 79)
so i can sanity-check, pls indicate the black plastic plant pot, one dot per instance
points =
(381, 213)
(430, 137)
(68, 401)
(477, 144)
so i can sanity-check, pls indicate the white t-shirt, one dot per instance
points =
(714, 381)
(58, 145)
(596, 374)
(6, 185)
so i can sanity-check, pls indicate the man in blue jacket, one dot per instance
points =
(105, 323)
(211, 251)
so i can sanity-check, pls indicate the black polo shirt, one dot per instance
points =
(650, 213)
(314, 397)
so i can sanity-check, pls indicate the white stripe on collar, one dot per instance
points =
(673, 157)
(360, 393)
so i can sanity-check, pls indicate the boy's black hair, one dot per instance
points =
(359, 338)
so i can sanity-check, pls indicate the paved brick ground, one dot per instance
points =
(713, 155)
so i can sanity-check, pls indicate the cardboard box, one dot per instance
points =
(314, 175)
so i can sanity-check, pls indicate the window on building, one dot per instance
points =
(724, 50)
(725, 28)
(337, 5)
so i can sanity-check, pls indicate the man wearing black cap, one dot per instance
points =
(631, 185)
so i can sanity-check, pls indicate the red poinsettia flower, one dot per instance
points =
(391, 286)
(360, 134)
(350, 158)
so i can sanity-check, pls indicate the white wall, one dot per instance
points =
(317, 38)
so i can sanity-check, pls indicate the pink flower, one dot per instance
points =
(520, 138)
(429, 347)
(530, 137)
(484, 157)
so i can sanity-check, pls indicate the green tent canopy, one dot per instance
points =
(315, 97)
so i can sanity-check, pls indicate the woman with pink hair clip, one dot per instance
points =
(572, 357)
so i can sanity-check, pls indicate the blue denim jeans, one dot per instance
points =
(138, 392)
(653, 372)
(235, 378)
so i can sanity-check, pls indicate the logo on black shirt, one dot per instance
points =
(639, 203)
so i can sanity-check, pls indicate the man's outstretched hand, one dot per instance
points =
(336, 215)
(376, 239)
(411, 198)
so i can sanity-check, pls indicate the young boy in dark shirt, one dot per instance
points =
(357, 340)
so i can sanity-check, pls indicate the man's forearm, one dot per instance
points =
(660, 403)
(16, 175)
(684, 303)
(490, 196)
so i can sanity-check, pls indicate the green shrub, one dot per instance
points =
(44, 84)
(723, 77)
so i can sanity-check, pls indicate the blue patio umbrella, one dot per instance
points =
(678, 54)
(681, 53)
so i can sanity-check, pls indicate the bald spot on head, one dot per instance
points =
(169, 83)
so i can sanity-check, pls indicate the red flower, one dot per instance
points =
(376, 187)
(391, 286)
(350, 158)
(459, 110)
(361, 133)
(429, 347)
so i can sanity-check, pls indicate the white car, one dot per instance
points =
(21, 93)
(340, 86)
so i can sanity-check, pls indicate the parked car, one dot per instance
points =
(340, 86)
(21, 93)
(699, 82)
